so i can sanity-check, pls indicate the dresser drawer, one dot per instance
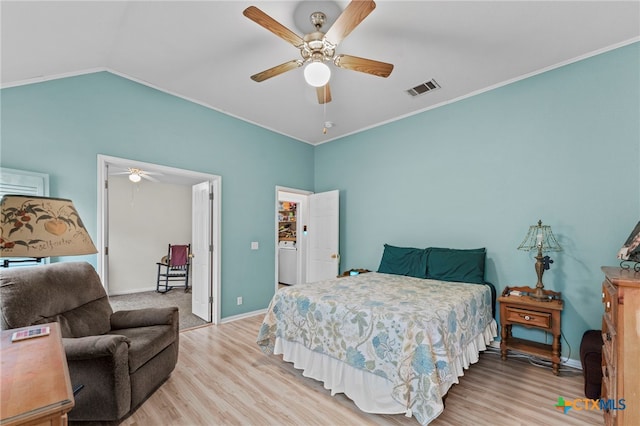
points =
(609, 380)
(605, 395)
(528, 317)
(608, 341)
(610, 301)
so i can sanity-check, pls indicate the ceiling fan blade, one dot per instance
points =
(369, 66)
(324, 94)
(277, 70)
(266, 21)
(350, 18)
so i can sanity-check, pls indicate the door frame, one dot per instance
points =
(302, 252)
(103, 219)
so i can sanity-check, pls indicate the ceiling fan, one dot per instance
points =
(318, 47)
(136, 175)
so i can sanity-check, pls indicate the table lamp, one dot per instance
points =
(542, 239)
(37, 227)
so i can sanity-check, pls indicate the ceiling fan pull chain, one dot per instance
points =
(324, 109)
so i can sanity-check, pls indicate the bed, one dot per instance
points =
(393, 341)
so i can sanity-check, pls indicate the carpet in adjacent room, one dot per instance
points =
(152, 299)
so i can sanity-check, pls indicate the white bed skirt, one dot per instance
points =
(370, 393)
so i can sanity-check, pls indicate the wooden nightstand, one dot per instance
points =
(357, 272)
(525, 311)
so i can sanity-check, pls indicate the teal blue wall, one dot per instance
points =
(59, 127)
(563, 146)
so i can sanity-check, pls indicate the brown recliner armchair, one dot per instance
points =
(121, 357)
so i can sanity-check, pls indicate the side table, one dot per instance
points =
(36, 389)
(525, 311)
(353, 272)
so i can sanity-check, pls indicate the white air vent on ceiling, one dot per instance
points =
(425, 87)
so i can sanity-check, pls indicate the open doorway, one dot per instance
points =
(161, 186)
(291, 245)
(306, 236)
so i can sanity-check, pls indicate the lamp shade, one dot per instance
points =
(317, 74)
(540, 237)
(42, 227)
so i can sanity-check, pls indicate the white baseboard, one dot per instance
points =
(134, 291)
(243, 316)
(573, 363)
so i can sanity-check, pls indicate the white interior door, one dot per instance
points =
(323, 236)
(201, 214)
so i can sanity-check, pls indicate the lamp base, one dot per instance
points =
(539, 295)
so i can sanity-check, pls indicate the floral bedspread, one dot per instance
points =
(407, 330)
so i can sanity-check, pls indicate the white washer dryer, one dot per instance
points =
(287, 262)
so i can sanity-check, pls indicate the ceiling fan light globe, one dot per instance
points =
(317, 74)
(134, 177)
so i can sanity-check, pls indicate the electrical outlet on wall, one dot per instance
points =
(239, 300)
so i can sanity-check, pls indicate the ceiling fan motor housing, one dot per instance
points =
(317, 48)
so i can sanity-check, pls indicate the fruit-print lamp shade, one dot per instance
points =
(40, 227)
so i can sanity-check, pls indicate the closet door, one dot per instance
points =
(324, 236)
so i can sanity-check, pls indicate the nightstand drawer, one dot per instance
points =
(528, 317)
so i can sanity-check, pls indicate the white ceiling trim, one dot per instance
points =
(495, 86)
(41, 79)
(195, 101)
(204, 51)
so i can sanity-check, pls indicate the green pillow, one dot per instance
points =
(404, 261)
(465, 266)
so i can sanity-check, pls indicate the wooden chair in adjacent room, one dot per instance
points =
(174, 268)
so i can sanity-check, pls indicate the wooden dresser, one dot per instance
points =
(621, 350)
(36, 389)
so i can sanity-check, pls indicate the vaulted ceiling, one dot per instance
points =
(205, 51)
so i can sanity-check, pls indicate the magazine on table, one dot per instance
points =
(30, 333)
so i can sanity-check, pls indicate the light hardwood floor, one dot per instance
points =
(222, 378)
